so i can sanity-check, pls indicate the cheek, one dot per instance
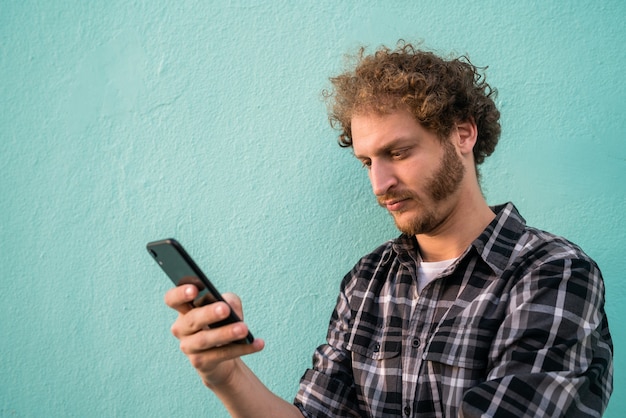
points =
(416, 176)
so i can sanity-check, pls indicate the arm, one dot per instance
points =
(217, 360)
(328, 389)
(553, 353)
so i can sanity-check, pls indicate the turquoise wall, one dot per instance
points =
(123, 122)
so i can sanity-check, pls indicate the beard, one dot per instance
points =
(441, 185)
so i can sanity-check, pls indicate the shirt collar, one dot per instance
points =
(497, 242)
(494, 245)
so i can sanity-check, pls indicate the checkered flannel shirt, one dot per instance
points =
(514, 328)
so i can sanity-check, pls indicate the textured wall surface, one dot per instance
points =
(124, 122)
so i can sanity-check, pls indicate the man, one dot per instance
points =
(468, 313)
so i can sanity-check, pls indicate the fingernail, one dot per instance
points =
(238, 330)
(189, 292)
(219, 310)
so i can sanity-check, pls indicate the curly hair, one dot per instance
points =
(438, 92)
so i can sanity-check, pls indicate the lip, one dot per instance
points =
(396, 205)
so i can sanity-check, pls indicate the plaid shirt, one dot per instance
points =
(515, 327)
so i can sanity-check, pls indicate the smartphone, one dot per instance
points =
(181, 269)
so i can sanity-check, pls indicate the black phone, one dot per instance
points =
(181, 269)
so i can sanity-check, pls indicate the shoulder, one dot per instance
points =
(555, 272)
(541, 247)
(379, 255)
(509, 243)
(375, 264)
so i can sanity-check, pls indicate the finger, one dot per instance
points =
(198, 319)
(235, 303)
(209, 339)
(178, 298)
(208, 359)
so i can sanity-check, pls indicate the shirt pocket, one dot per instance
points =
(375, 350)
(463, 342)
(375, 354)
(456, 359)
(376, 368)
(375, 336)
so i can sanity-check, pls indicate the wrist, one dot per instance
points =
(225, 382)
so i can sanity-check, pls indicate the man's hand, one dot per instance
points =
(211, 351)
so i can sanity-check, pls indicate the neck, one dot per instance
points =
(466, 220)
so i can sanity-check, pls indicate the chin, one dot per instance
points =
(416, 225)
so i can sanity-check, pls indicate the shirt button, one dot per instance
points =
(415, 343)
(376, 348)
(407, 410)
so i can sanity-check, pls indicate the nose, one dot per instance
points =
(382, 177)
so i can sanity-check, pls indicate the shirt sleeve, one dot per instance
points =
(327, 389)
(552, 355)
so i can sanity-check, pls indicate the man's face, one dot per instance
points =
(414, 175)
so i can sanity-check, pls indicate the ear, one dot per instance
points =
(467, 134)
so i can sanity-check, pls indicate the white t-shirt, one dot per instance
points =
(428, 271)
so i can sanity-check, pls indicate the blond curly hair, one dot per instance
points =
(438, 92)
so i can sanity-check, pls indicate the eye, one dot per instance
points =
(398, 154)
(366, 163)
